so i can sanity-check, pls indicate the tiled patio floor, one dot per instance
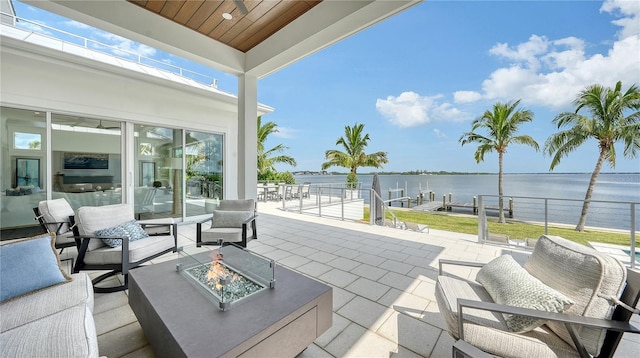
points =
(383, 282)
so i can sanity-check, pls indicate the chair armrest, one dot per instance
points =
(570, 321)
(462, 349)
(443, 262)
(57, 223)
(149, 223)
(205, 220)
(619, 326)
(173, 227)
(96, 237)
(250, 219)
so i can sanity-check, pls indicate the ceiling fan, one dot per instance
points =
(241, 7)
(100, 126)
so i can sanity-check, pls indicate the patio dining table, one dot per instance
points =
(268, 191)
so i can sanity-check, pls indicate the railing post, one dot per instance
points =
(284, 197)
(481, 220)
(319, 199)
(342, 202)
(546, 216)
(633, 235)
(372, 207)
(300, 197)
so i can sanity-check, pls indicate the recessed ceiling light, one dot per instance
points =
(227, 16)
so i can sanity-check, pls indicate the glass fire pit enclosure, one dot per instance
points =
(227, 274)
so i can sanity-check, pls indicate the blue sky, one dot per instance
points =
(418, 79)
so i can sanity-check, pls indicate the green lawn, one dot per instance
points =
(515, 230)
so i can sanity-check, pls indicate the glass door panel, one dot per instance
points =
(86, 160)
(158, 172)
(203, 153)
(24, 165)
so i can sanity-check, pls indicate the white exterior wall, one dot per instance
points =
(45, 79)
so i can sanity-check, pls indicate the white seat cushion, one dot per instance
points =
(449, 289)
(46, 302)
(92, 218)
(227, 234)
(40, 338)
(487, 330)
(582, 274)
(138, 250)
(56, 211)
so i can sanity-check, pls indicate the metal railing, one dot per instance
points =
(335, 200)
(87, 43)
(565, 213)
(373, 214)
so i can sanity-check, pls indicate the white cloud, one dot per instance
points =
(78, 25)
(466, 96)
(439, 133)
(551, 72)
(565, 71)
(409, 109)
(286, 132)
(31, 26)
(124, 44)
(526, 52)
(630, 16)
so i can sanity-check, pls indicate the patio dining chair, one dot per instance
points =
(143, 200)
(109, 238)
(306, 187)
(233, 222)
(567, 301)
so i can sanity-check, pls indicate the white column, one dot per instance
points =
(247, 136)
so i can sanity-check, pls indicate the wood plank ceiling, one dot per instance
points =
(244, 30)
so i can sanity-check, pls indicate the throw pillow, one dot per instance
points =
(130, 230)
(135, 230)
(223, 218)
(29, 265)
(510, 284)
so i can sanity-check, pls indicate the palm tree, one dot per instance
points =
(615, 116)
(267, 158)
(354, 143)
(501, 125)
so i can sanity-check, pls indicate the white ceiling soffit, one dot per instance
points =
(325, 24)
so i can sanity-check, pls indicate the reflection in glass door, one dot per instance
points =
(86, 160)
(203, 157)
(23, 163)
(158, 172)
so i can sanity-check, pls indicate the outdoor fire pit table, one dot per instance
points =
(180, 318)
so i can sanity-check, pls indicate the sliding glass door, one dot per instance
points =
(175, 172)
(158, 172)
(203, 157)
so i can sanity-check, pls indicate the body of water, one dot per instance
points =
(609, 187)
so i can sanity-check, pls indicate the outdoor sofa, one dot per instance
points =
(44, 312)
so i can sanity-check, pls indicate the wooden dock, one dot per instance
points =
(428, 203)
(451, 205)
